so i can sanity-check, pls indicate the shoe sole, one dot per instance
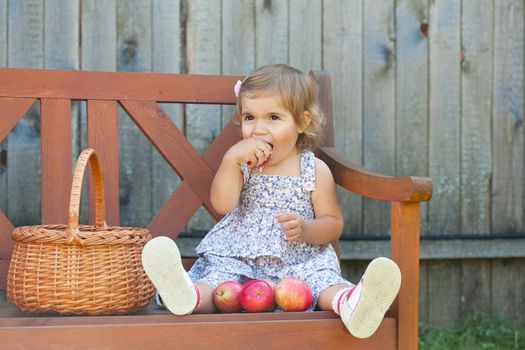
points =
(381, 283)
(163, 265)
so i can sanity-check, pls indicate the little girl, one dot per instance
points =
(281, 213)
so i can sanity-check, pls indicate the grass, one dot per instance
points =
(477, 332)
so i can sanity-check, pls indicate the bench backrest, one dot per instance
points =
(139, 94)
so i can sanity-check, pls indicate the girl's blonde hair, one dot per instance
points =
(298, 92)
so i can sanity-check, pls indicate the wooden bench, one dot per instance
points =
(139, 94)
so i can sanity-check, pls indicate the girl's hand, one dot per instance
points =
(293, 226)
(252, 151)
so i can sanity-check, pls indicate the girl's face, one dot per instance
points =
(266, 119)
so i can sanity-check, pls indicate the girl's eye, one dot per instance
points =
(275, 117)
(248, 117)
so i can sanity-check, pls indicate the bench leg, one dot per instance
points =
(405, 227)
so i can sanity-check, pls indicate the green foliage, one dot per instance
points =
(477, 332)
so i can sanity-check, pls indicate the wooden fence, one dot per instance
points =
(420, 87)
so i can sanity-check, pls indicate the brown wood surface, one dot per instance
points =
(6, 243)
(372, 185)
(405, 252)
(102, 136)
(11, 110)
(56, 159)
(239, 331)
(82, 85)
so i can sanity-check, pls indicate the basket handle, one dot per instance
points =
(87, 155)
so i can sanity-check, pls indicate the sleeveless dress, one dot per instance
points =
(249, 243)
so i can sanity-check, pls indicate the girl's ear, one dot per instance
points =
(306, 119)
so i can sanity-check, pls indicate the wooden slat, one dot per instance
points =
(299, 334)
(305, 34)
(6, 243)
(173, 146)
(444, 135)
(11, 111)
(373, 185)
(56, 160)
(343, 59)
(507, 182)
(444, 153)
(203, 52)
(378, 104)
(476, 157)
(238, 43)
(98, 36)
(423, 291)
(182, 88)
(475, 286)
(476, 115)
(25, 49)
(412, 64)
(166, 58)
(184, 202)
(102, 136)
(61, 32)
(99, 53)
(405, 251)
(271, 32)
(507, 110)
(134, 31)
(3, 33)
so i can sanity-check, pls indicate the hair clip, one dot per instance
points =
(237, 87)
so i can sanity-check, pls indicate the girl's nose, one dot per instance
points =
(260, 128)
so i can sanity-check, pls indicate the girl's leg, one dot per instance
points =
(325, 300)
(363, 307)
(205, 305)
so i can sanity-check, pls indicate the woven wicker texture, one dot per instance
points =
(79, 269)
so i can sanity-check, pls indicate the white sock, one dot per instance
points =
(336, 301)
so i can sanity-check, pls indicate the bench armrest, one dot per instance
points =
(354, 178)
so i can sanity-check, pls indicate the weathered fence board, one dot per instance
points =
(203, 123)
(25, 49)
(379, 145)
(304, 46)
(3, 143)
(411, 91)
(476, 156)
(507, 182)
(134, 54)
(271, 32)
(343, 42)
(238, 43)
(167, 58)
(444, 157)
(98, 36)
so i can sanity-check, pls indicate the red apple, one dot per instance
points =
(227, 297)
(257, 296)
(292, 294)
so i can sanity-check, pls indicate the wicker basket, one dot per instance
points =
(72, 269)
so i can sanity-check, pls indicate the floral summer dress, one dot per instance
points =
(249, 243)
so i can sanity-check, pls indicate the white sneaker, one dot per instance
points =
(163, 265)
(364, 310)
